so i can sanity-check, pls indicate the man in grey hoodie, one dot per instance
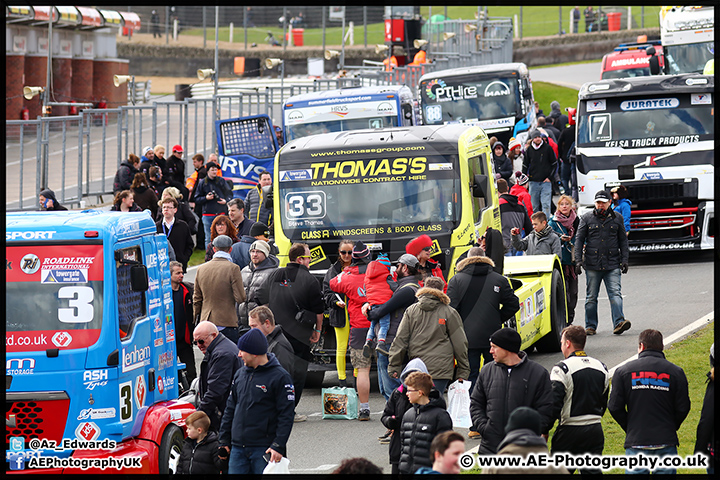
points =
(541, 241)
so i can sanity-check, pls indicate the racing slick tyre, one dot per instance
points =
(170, 448)
(550, 343)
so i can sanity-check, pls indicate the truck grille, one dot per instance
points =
(662, 193)
(35, 418)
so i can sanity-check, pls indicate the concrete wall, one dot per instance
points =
(575, 47)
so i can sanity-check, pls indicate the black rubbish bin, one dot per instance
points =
(252, 67)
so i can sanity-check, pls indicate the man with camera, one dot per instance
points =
(212, 194)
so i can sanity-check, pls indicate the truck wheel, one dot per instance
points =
(170, 448)
(550, 343)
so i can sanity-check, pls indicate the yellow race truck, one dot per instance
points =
(386, 187)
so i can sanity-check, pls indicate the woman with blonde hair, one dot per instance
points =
(565, 223)
(221, 225)
(184, 211)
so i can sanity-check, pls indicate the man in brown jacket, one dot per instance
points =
(433, 331)
(218, 287)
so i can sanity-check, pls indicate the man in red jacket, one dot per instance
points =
(351, 283)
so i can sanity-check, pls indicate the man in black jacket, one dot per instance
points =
(513, 214)
(601, 246)
(566, 140)
(183, 315)
(212, 194)
(262, 317)
(306, 295)
(217, 370)
(580, 386)
(260, 409)
(485, 300)
(510, 381)
(649, 400)
(539, 164)
(177, 231)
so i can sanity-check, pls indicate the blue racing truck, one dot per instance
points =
(91, 372)
(246, 147)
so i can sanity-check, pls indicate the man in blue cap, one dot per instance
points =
(259, 414)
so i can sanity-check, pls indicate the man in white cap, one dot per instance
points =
(254, 275)
(218, 287)
(601, 246)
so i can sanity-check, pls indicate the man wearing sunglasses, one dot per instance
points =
(217, 370)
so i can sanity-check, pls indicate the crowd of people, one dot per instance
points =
(436, 333)
(256, 322)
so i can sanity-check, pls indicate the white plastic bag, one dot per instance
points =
(283, 466)
(459, 404)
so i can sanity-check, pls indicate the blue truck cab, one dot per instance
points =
(90, 343)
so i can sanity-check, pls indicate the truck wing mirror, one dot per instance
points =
(527, 93)
(138, 278)
(479, 187)
(268, 196)
(654, 65)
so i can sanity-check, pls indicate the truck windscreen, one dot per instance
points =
(53, 300)
(469, 98)
(300, 130)
(688, 58)
(377, 196)
(652, 121)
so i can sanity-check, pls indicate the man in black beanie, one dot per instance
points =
(510, 381)
(259, 414)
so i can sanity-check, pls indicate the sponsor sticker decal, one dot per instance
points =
(61, 339)
(140, 391)
(701, 99)
(87, 431)
(595, 105)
